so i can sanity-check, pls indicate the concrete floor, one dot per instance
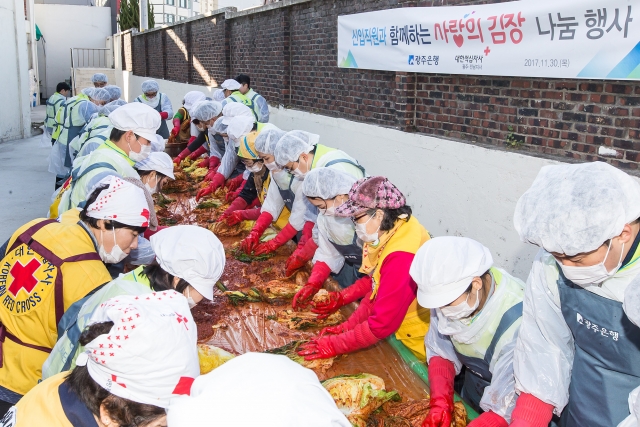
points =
(25, 184)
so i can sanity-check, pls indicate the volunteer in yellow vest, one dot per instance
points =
(54, 102)
(99, 80)
(391, 237)
(476, 311)
(239, 90)
(189, 259)
(48, 265)
(140, 354)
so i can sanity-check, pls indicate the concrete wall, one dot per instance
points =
(64, 27)
(83, 77)
(14, 72)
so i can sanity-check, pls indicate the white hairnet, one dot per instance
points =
(99, 78)
(100, 94)
(150, 86)
(236, 109)
(293, 144)
(87, 109)
(191, 253)
(159, 162)
(239, 126)
(230, 84)
(444, 267)
(114, 91)
(631, 302)
(88, 91)
(106, 109)
(267, 139)
(327, 183)
(219, 126)
(218, 95)
(572, 209)
(192, 98)
(281, 393)
(206, 110)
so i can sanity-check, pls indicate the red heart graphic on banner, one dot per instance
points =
(459, 39)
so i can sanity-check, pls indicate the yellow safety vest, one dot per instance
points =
(283, 219)
(414, 327)
(48, 266)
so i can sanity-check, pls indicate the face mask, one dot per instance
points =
(142, 155)
(297, 172)
(116, 255)
(361, 231)
(461, 311)
(593, 274)
(190, 300)
(201, 128)
(273, 166)
(154, 189)
(150, 98)
(255, 168)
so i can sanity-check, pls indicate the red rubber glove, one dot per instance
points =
(441, 375)
(254, 204)
(199, 152)
(180, 157)
(307, 233)
(319, 274)
(164, 115)
(214, 162)
(300, 256)
(286, 234)
(237, 205)
(357, 290)
(245, 215)
(176, 127)
(253, 239)
(204, 163)
(332, 330)
(193, 138)
(346, 342)
(216, 182)
(531, 412)
(234, 183)
(148, 233)
(232, 195)
(488, 419)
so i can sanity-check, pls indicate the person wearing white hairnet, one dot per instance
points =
(183, 130)
(71, 119)
(139, 354)
(66, 258)
(577, 350)
(282, 393)
(160, 102)
(203, 116)
(188, 258)
(114, 91)
(239, 90)
(99, 80)
(476, 310)
(218, 95)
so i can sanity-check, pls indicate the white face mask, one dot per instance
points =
(190, 300)
(255, 168)
(154, 189)
(116, 255)
(330, 211)
(142, 155)
(361, 231)
(593, 274)
(461, 311)
(273, 166)
(297, 172)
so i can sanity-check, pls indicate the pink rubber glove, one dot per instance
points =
(216, 182)
(488, 419)
(319, 274)
(237, 205)
(233, 183)
(357, 290)
(531, 412)
(183, 155)
(441, 375)
(199, 152)
(286, 234)
(300, 256)
(253, 239)
(176, 127)
(164, 115)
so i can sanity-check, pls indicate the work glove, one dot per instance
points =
(300, 256)
(234, 183)
(307, 233)
(319, 274)
(332, 330)
(214, 163)
(204, 163)
(216, 182)
(244, 215)
(357, 290)
(441, 375)
(164, 115)
(176, 127)
(232, 195)
(286, 234)
(183, 155)
(488, 419)
(237, 205)
(333, 345)
(199, 152)
(253, 239)
(193, 138)
(531, 412)
(148, 233)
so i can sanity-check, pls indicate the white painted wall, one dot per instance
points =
(66, 26)
(239, 4)
(14, 72)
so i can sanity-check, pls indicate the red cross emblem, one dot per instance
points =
(23, 277)
(180, 318)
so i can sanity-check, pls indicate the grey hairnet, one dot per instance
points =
(87, 109)
(106, 109)
(150, 86)
(267, 139)
(206, 110)
(99, 78)
(572, 209)
(326, 183)
(88, 91)
(293, 144)
(631, 304)
(100, 94)
(114, 91)
(219, 126)
(218, 95)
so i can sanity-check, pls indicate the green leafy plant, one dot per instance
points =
(129, 16)
(513, 140)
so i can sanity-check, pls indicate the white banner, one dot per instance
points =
(585, 39)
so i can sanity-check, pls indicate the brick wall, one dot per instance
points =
(290, 53)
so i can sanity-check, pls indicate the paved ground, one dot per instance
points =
(25, 183)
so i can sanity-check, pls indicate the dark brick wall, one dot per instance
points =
(291, 55)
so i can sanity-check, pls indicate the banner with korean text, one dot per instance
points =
(587, 39)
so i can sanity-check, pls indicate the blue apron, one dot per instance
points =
(606, 365)
(477, 375)
(288, 196)
(163, 130)
(352, 254)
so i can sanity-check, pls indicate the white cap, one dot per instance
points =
(143, 120)
(218, 95)
(121, 201)
(235, 109)
(444, 267)
(230, 84)
(191, 253)
(159, 162)
(192, 98)
(257, 390)
(238, 127)
(149, 355)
